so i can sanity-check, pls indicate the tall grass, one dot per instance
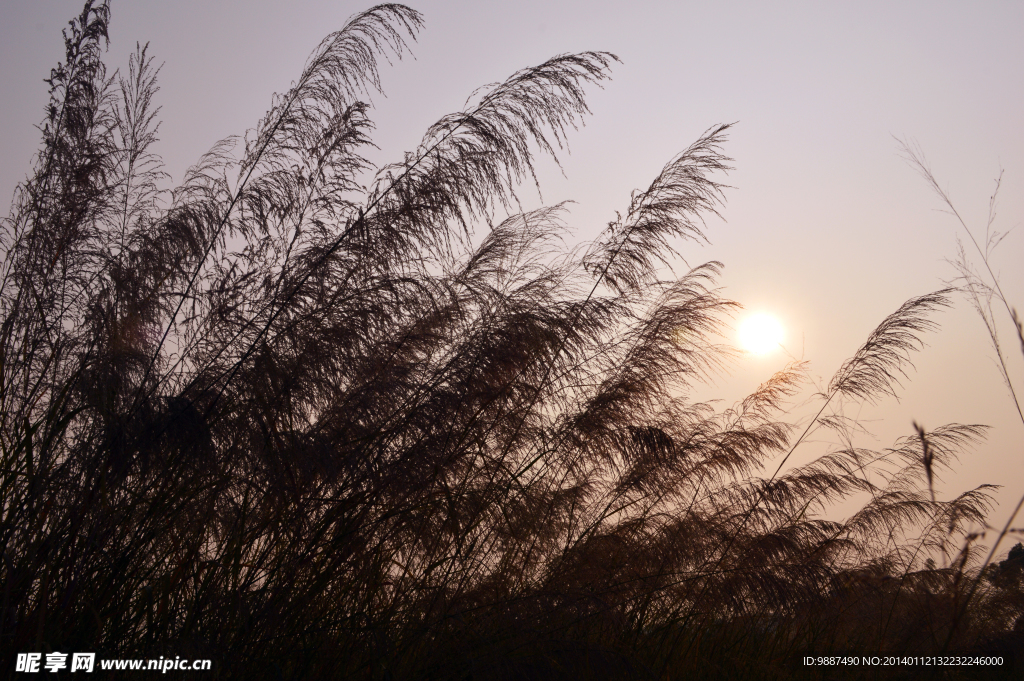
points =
(311, 426)
(983, 290)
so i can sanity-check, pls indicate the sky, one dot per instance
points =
(826, 227)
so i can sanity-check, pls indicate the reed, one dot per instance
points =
(313, 426)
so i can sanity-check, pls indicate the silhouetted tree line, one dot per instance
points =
(312, 425)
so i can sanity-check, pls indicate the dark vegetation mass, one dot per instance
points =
(312, 418)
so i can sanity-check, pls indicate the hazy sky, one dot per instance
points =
(826, 227)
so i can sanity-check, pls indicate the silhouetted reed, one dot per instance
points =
(312, 426)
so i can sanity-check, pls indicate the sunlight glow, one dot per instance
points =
(760, 333)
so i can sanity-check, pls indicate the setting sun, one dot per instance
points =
(760, 333)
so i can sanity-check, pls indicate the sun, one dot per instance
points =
(760, 333)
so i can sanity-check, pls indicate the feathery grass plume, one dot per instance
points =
(52, 235)
(981, 290)
(299, 163)
(307, 425)
(875, 370)
(673, 206)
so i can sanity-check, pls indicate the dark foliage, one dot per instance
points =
(311, 426)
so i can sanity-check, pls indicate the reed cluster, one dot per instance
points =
(311, 425)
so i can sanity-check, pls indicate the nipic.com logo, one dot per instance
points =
(33, 663)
